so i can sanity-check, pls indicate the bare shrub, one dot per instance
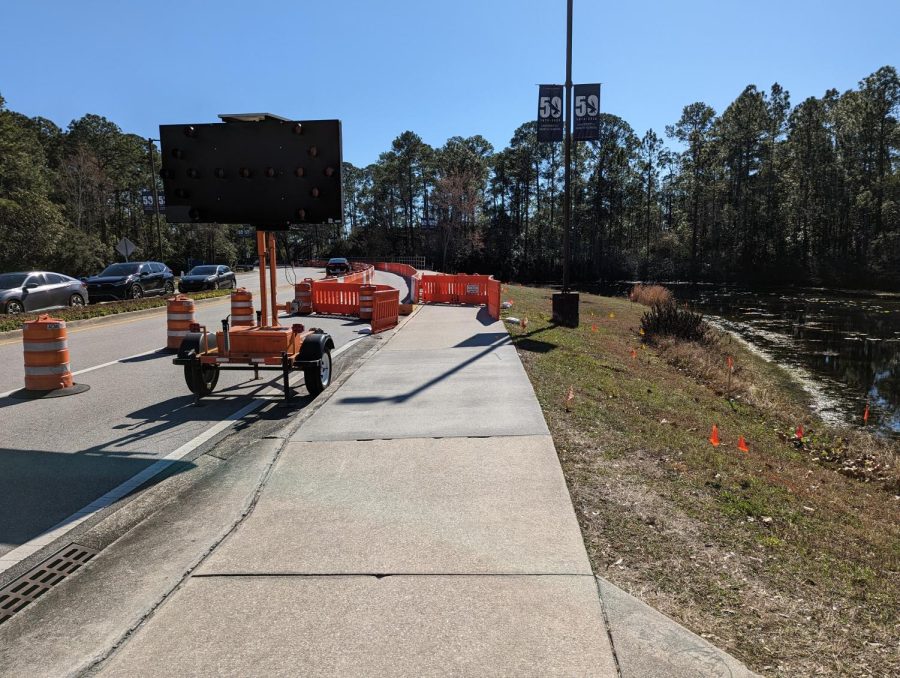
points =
(650, 295)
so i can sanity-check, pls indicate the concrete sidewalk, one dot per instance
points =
(417, 524)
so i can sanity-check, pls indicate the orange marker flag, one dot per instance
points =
(594, 327)
(634, 354)
(714, 436)
(742, 445)
(866, 414)
(570, 396)
(798, 434)
(731, 363)
(523, 323)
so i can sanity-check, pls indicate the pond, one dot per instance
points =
(844, 346)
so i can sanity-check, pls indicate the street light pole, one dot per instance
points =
(567, 201)
(156, 194)
(565, 304)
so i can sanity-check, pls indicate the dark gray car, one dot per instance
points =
(39, 290)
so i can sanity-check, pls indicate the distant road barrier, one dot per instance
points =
(462, 289)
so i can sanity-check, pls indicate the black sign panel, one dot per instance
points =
(587, 113)
(270, 173)
(147, 201)
(550, 113)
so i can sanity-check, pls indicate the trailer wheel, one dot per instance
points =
(318, 376)
(201, 379)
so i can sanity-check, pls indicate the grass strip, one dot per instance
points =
(14, 322)
(786, 555)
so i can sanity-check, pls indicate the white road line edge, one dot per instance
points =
(35, 544)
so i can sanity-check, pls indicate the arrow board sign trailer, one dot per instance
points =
(253, 169)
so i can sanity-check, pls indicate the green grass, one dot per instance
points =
(774, 555)
(14, 322)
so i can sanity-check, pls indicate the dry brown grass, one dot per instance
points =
(650, 295)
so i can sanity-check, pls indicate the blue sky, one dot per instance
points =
(438, 68)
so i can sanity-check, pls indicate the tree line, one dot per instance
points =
(763, 192)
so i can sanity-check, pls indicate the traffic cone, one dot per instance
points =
(714, 436)
(798, 434)
(742, 444)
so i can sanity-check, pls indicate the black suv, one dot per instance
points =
(212, 277)
(131, 281)
(337, 266)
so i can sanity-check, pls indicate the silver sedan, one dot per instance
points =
(39, 290)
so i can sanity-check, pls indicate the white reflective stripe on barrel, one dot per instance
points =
(46, 369)
(177, 333)
(181, 316)
(44, 345)
(241, 304)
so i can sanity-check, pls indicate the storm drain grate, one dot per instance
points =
(40, 579)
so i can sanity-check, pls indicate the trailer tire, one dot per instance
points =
(201, 379)
(318, 376)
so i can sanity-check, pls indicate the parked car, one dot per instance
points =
(211, 277)
(131, 281)
(39, 290)
(337, 266)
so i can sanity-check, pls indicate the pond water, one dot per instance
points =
(844, 346)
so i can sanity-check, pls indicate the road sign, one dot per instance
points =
(126, 248)
(587, 113)
(550, 113)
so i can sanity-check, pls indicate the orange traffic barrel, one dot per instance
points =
(179, 316)
(366, 301)
(242, 308)
(303, 297)
(46, 354)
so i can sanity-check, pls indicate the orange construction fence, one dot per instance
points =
(462, 289)
(385, 309)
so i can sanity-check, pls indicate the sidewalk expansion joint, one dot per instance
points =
(376, 575)
(608, 627)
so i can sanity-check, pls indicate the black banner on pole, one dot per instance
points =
(550, 113)
(147, 201)
(587, 113)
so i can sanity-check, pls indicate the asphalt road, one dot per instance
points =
(58, 455)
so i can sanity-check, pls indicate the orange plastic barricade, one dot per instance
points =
(179, 316)
(462, 289)
(385, 310)
(242, 308)
(366, 301)
(46, 354)
(303, 297)
(493, 300)
(338, 298)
